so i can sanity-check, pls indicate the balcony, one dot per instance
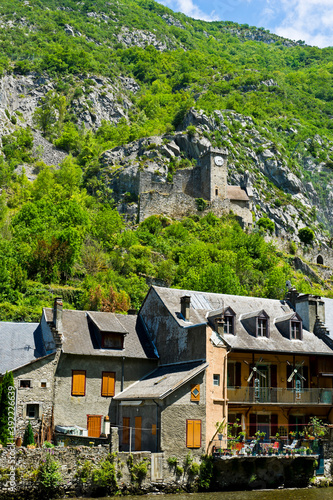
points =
(273, 395)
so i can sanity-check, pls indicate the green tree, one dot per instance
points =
(306, 235)
(28, 437)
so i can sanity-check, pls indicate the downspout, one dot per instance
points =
(122, 374)
(157, 428)
(225, 389)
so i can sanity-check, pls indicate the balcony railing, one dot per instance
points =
(255, 395)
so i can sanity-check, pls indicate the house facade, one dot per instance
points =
(261, 365)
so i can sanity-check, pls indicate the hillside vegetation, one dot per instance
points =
(60, 231)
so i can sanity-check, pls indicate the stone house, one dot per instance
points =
(76, 362)
(265, 363)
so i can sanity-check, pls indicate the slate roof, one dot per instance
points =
(107, 322)
(163, 381)
(203, 303)
(20, 344)
(236, 193)
(79, 338)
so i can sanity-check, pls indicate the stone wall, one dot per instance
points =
(37, 398)
(76, 466)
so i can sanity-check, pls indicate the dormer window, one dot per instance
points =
(228, 324)
(290, 326)
(112, 341)
(262, 327)
(296, 330)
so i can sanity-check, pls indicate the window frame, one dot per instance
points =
(76, 372)
(22, 380)
(297, 323)
(228, 327)
(262, 325)
(111, 335)
(36, 407)
(216, 378)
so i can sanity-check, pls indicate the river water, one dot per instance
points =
(292, 494)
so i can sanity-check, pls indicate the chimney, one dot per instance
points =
(185, 304)
(57, 314)
(311, 308)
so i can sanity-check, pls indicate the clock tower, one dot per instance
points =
(214, 174)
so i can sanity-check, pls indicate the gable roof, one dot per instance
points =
(20, 344)
(79, 337)
(162, 381)
(203, 304)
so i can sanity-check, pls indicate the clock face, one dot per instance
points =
(218, 161)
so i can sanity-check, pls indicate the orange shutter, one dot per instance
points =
(138, 424)
(153, 430)
(195, 392)
(108, 383)
(78, 382)
(126, 430)
(94, 425)
(193, 433)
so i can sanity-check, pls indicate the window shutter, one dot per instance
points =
(108, 383)
(290, 384)
(78, 382)
(197, 434)
(274, 376)
(193, 433)
(137, 437)
(306, 376)
(126, 430)
(153, 430)
(195, 392)
(238, 374)
(274, 424)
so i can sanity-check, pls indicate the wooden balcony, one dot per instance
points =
(273, 395)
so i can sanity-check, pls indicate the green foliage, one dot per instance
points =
(49, 475)
(206, 472)
(6, 407)
(28, 437)
(266, 224)
(306, 235)
(138, 471)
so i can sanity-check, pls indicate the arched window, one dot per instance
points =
(320, 260)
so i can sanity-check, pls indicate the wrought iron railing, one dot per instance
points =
(254, 395)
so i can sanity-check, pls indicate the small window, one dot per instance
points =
(229, 325)
(296, 330)
(108, 383)
(216, 192)
(193, 433)
(195, 392)
(78, 382)
(262, 327)
(43, 384)
(32, 411)
(25, 384)
(216, 379)
(112, 341)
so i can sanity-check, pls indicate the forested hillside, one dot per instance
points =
(79, 79)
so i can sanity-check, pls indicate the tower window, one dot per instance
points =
(216, 191)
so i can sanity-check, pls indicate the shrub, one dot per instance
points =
(306, 235)
(28, 437)
(266, 224)
(49, 475)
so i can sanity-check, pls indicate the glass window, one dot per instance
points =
(216, 379)
(262, 327)
(228, 325)
(25, 384)
(32, 411)
(296, 330)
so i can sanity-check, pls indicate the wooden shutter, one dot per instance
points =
(94, 425)
(253, 424)
(126, 430)
(108, 383)
(153, 430)
(78, 382)
(138, 425)
(306, 376)
(274, 424)
(290, 385)
(193, 433)
(195, 392)
(238, 374)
